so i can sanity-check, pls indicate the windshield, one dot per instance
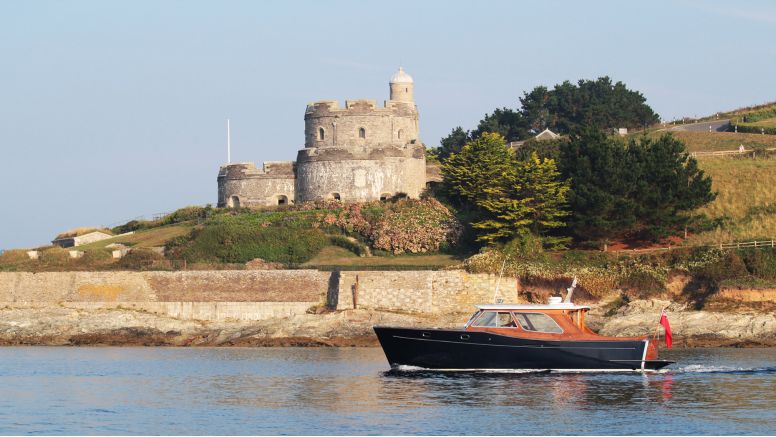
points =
(471, 319)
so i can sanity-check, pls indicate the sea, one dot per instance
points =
(325, 391)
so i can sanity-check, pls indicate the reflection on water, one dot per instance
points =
(351, 391)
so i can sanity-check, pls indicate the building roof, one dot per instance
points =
(546, 135)
(401, 77)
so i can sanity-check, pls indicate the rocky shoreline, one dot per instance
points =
(62, 326)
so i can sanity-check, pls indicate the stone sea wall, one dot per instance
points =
(201, 295)
(255, 294)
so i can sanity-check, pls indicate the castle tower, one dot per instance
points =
(401, 86)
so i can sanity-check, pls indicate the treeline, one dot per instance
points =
(567, 108)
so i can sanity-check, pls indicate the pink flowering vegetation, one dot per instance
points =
(408, 225)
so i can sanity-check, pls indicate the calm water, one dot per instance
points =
(46, 390)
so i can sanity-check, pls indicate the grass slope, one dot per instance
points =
(145, 238)
(746, 196)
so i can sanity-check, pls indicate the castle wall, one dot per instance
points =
(359, 176)
(244, 185)
(341, 126)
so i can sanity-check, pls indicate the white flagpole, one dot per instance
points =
(228, 143)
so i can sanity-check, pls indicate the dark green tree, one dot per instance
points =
(453, 143)
(643, 188)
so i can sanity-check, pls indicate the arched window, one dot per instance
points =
(321, 134)
(334, 196)
(361, 132)
(400, 133)
(282, 200)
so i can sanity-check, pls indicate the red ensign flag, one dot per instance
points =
(667, 327)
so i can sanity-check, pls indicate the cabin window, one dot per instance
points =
(538, 322)
(492, 319)
(361, 132)
(321, 134)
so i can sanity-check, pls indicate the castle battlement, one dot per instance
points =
(358, 106)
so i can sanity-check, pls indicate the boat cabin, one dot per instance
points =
(555, 318)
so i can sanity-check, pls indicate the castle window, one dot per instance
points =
(384, 197)
(282, 200)
(362, 132)
(400, 133)
(234, 202)
(321, 134)
(406, 90)
(334, 196)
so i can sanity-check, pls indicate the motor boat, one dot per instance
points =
(550, 336)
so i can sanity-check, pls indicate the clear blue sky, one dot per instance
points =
(111, 110)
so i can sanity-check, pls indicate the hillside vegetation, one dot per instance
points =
(745, 208)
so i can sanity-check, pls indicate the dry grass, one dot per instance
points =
(82, 231)
(746, 188)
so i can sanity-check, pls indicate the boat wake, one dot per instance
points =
(705, 368)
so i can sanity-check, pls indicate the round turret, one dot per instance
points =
(401, 86)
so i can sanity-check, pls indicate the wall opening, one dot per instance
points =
(361, 132)
(234, 202)
(282, 200)
(400, 133)
(385, 197)
(321, 134)
(334, 196)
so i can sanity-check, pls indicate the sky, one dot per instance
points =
(115, 110)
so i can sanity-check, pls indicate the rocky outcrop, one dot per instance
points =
(690, 327)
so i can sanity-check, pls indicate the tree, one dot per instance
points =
(644, 188)
(668, 185)
(513, 198)
(531, 201)
(453, 143)
(567, 108)
(476, 172)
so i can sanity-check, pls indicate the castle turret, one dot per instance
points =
(401, 86)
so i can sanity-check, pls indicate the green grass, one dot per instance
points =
(145, 238)
(746, 196)
(333, 257)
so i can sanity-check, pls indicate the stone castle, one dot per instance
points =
(358, 153)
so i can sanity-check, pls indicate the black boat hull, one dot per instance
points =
(448, 349)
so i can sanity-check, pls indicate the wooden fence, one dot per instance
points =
(734, 245)
(745, 152)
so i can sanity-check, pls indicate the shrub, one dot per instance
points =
(346, 243)
(239, 242)
(414, 226)
(761, 263)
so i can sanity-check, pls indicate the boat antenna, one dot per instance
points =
(570, 290)
(495, 293)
